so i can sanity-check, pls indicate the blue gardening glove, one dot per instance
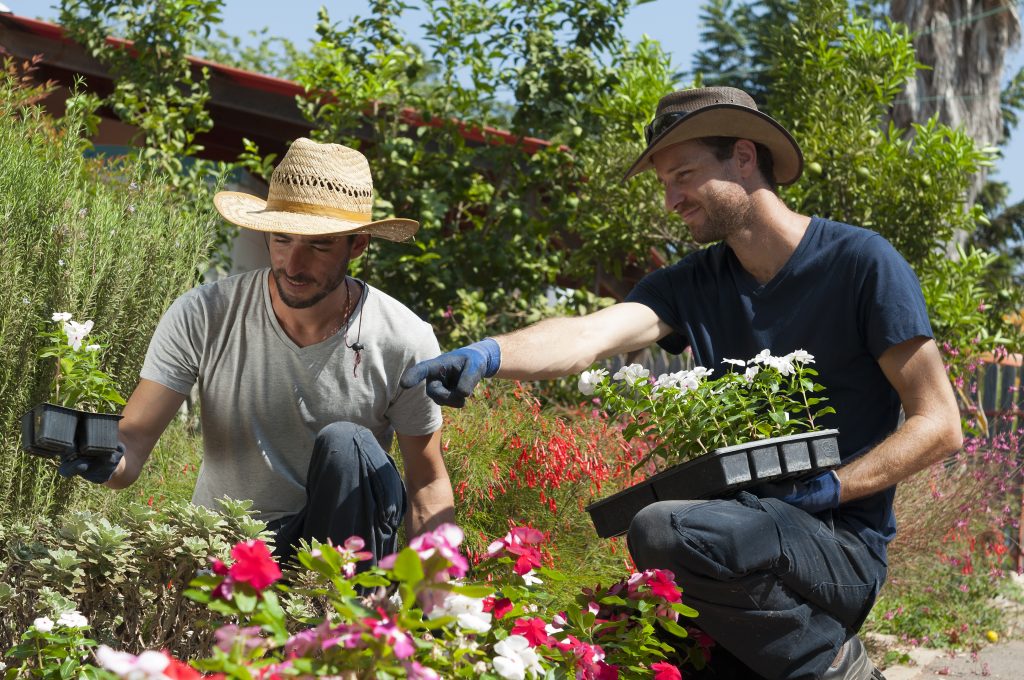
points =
(96, 469)
(813, 495)
(452, 376)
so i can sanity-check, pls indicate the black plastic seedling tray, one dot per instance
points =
(55, 431)
(720, 473)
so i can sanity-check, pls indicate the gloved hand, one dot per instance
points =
(452, 376)
(96, 469)
(813, 495)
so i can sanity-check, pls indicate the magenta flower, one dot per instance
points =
(254, 564)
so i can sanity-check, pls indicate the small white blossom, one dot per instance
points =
(43, 624)
(147, 665)
(589, 380)
(73, 619)
(735, 362)
(751, 373)
(632, 374)
(762, 357)
(92, 348)
(782, 365)
(76, 333)
(468, 611)
(801, 356)
(531, 579)
(61, 316)
(133, 185)
(700, 372)
(516, 659)
(60, 262)
(131, 207)
(25, 300)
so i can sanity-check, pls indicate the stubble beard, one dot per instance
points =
(319, 294)
(723, 216)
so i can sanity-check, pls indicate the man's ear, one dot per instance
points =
(745, 155)
(358, 244)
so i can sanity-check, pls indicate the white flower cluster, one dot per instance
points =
(68, 619)
(785, 365)
(149, 665)
(75, 331)
(683, 381)
(515, 658)
(468, 611)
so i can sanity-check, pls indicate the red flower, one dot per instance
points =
(499, 607)
(254, 564)
(177, 670)
(663, 585)
(663, 670)
(534, 630)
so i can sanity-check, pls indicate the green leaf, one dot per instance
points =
(408, 566)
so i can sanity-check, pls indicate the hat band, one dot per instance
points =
(322, 210)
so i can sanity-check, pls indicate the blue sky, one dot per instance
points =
(673, 23)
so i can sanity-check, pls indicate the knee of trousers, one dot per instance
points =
(652, 540)
(344, 438)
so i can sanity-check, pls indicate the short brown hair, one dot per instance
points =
(723, 147)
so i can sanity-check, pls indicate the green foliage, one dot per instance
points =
(78, 381)
(830, 76)
(53, 650)
(499, 215)
(125, 574)
(156, 89)
(270, 55)
(688, 415)
(103, 242)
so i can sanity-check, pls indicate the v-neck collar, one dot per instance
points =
(330, 342)
(748, 285)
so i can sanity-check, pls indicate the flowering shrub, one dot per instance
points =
(419, 615)
(51, 649)
(78, 381)
(512, 461)
(689, 415)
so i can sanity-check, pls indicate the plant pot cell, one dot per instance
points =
(53, 428)
(97, 433)
(796, 457)
(764, 462)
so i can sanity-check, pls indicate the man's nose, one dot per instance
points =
(673, 198)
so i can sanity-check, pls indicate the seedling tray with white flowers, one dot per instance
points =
(709, 438)
(720, 473)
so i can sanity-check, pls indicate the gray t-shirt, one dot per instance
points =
(264, 398)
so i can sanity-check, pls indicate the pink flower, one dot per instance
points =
(397, 639)
(417, 671)
(499, 607)
(230, 635)
(520, 541)
(665, 671)
(254, 564)
(442, 542)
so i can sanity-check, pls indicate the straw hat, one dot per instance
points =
(718, 112)
(315, 189)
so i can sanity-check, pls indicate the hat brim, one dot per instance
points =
(730, 120)
(250, 212)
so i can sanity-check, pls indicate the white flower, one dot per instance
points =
(751, 373)
(60, 262)
(25, 300)
(43, 624)
(92, 348)
(590, 380)
(76, 333)
(530, 579)
(680, 380)
(515, 658)
(801, 356)
(61, 316)
(632, 374)
(762, 357)
(735, 362)
(699, 372)
(468, 611)
(782, 365)
(73, 619)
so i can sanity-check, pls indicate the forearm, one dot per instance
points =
(430, 506)
(566, 345)
(128, 470)
(921, 442)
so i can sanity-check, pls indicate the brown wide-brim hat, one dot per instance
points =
(719, 112)
(316, 189)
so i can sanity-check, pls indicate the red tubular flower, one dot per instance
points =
(254, 564)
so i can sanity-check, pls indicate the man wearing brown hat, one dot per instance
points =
(298, 369)
(784, 577)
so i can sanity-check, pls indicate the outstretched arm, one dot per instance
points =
(566, 345)
(548, 349)
(932, 428)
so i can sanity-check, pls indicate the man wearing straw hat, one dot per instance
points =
(298, 368)
(784, 578)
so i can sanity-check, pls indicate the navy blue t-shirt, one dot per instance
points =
(845, 296)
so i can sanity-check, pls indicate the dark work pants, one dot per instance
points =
(352, 489)
(779, 589)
